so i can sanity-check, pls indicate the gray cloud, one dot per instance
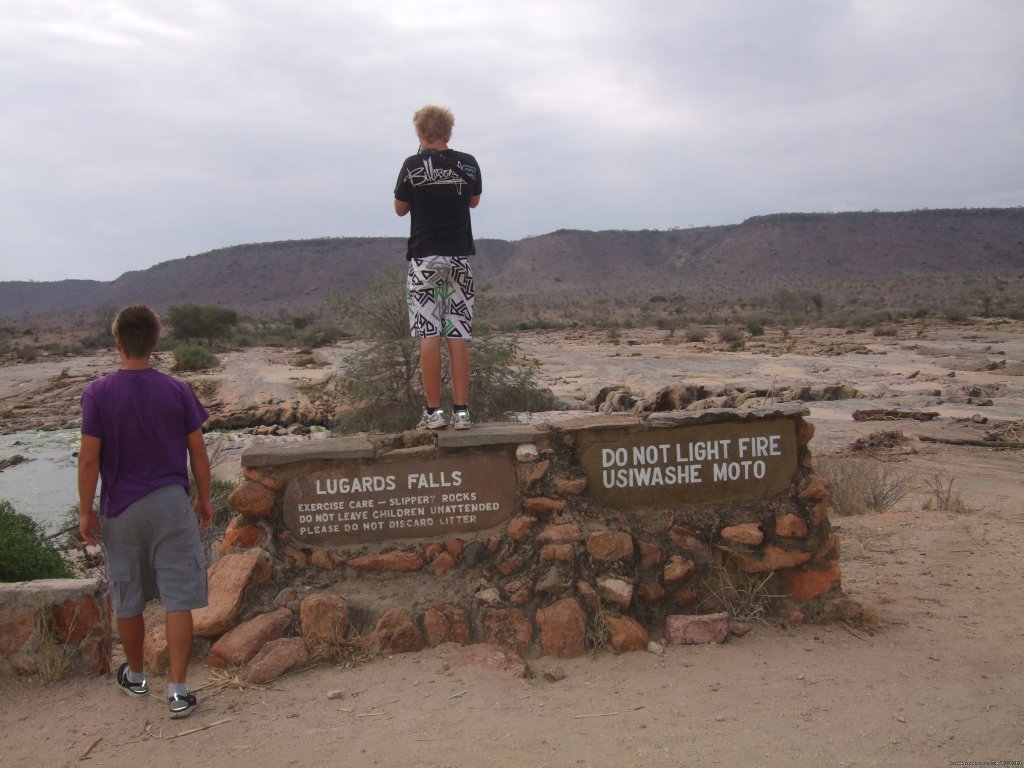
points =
(136, 132)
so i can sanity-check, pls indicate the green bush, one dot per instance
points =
(190, 357)
(755, 326)
(25, 553)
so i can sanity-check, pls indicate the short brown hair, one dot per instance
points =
(138, 329)
(434, 123)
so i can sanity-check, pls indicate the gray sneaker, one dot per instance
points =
(460, 420)
(435, 420)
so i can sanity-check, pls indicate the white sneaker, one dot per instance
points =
(460, 420)
(435, 420)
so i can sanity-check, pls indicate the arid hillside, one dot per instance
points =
(904, 260)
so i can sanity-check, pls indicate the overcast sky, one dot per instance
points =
(138, 131)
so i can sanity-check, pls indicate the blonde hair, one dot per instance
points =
(434, 123)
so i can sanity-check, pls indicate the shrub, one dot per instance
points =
(190, 357)
(381, 383)
(25, 553)
(695, 333)
(860, 487)
(730, 334)
(755, 327)
(26, 354)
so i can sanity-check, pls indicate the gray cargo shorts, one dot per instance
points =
(154, 552)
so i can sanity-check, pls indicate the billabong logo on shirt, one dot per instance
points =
(434, 174)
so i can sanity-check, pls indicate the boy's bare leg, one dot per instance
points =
(179, 644)
(430, 367)
(133, 635)
(458, 358)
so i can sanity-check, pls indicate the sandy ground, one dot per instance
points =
(936, 678)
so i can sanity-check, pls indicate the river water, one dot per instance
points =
(45, 485)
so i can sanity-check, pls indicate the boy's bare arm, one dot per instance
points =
(200, 463)
(88, 479)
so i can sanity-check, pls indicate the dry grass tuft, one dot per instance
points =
(745, 597)
(54, 657)
(346, 651)
(861, 487)
(943, 496)
(598, 634)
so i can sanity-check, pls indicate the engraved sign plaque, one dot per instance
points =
(407, 498)
(698, 464)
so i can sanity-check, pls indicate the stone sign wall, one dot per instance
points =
(540, 539)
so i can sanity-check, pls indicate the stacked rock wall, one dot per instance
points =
(603, 531)
(54, 627)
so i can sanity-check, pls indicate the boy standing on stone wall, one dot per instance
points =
(138, 426)
(439, 186)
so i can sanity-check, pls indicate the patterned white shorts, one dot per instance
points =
(439, 293)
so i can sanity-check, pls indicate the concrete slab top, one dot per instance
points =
(309, 450)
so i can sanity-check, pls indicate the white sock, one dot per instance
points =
(136, 677)
(179, 689)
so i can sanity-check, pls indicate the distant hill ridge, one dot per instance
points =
(805, 248)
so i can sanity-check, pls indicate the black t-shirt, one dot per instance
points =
(439, 184)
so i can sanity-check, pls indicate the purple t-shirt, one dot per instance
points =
(142, 419)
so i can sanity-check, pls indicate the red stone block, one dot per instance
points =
(744, 533)
(678, 568)
(241, 644)
(815, 488)
(445, 623)
(519, 528)
(509, 565)
(442, 564)
(560, 534)
(228, 579)
(696, 630)
(510, 628)
(17, 624)
(251, 499)
(650, 554)
(395, 632)
(610, 545)
(563, 552)
(790, 526)
(265, 480)
(72, 621)
(277, 658)
(804, 432)
(573, 486)
(454, 547)
(240, 534)
(563, 628)
(806, 584)
(772, 558)
(626, 634)
(323, 616)
(650, 592)
(543, 505)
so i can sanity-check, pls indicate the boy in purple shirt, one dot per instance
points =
(138, 426)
